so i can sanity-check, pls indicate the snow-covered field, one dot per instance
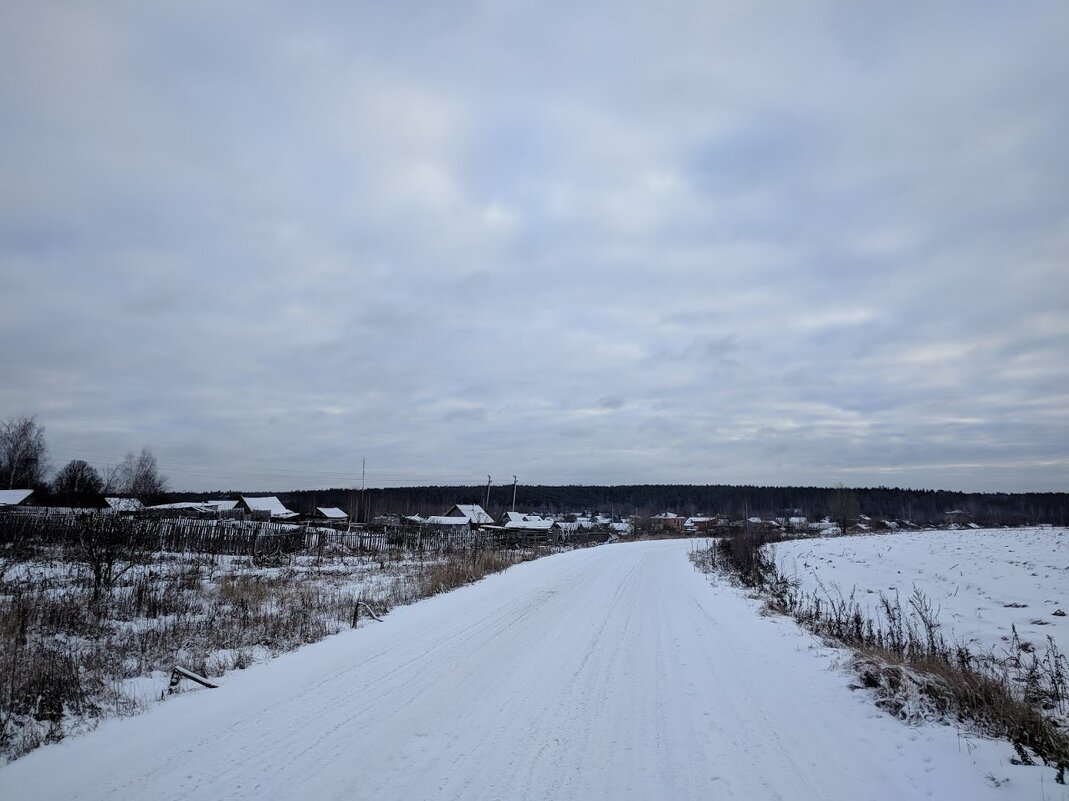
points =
(609, 673)
(985, 582)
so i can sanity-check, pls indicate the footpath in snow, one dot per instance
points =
(609, 673)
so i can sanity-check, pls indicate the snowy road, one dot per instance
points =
(609, 673)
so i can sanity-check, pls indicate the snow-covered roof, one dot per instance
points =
(472, 512)
(666, 516)
(331, 512)
(446, 520)
(124, 504)
(268, 503)
(221, 504)
(13, 497)
(198, 506)
(530, 525)
(204, 507)
(797, 521)
(519, 517)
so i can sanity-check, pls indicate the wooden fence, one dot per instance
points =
(253, 537)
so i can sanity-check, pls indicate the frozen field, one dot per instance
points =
(984, 581)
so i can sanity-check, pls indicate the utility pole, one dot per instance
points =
(488, 480)
(514, 493)
(363, 475)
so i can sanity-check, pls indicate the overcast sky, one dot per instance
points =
(708, 242)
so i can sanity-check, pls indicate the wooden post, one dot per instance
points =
(179, 673)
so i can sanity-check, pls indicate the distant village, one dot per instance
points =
(473, 517)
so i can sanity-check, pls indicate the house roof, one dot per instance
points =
(331, 512)
(125, 504)
(519, 517)
(13, 497)
(206, 507)
(472, 512)
(221, 504)
(268, 503)
(446, 520)
(530, 525)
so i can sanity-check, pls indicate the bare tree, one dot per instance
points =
(845, 508)
(110, 546)
(76, 481)
(137, 476)
(23, 453)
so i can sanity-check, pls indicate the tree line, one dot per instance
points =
(25, 464)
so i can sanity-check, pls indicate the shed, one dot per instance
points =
(330, 513)
(14, 497)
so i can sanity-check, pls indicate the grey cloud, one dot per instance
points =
(707, 243)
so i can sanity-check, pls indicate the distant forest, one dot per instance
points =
(919, 506)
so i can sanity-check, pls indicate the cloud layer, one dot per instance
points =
(635, 242)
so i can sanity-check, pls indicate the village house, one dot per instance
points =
(268, 507)
(470, 515)
(667, 521)
(514, 521)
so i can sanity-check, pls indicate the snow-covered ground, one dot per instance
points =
(984, 581)
(609, 673)
(208, 613)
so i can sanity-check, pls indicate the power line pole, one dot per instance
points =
(514, 493)
(363, 475)
(488, 480)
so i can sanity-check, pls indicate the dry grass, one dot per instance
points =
(464, 569)
(74, 649)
